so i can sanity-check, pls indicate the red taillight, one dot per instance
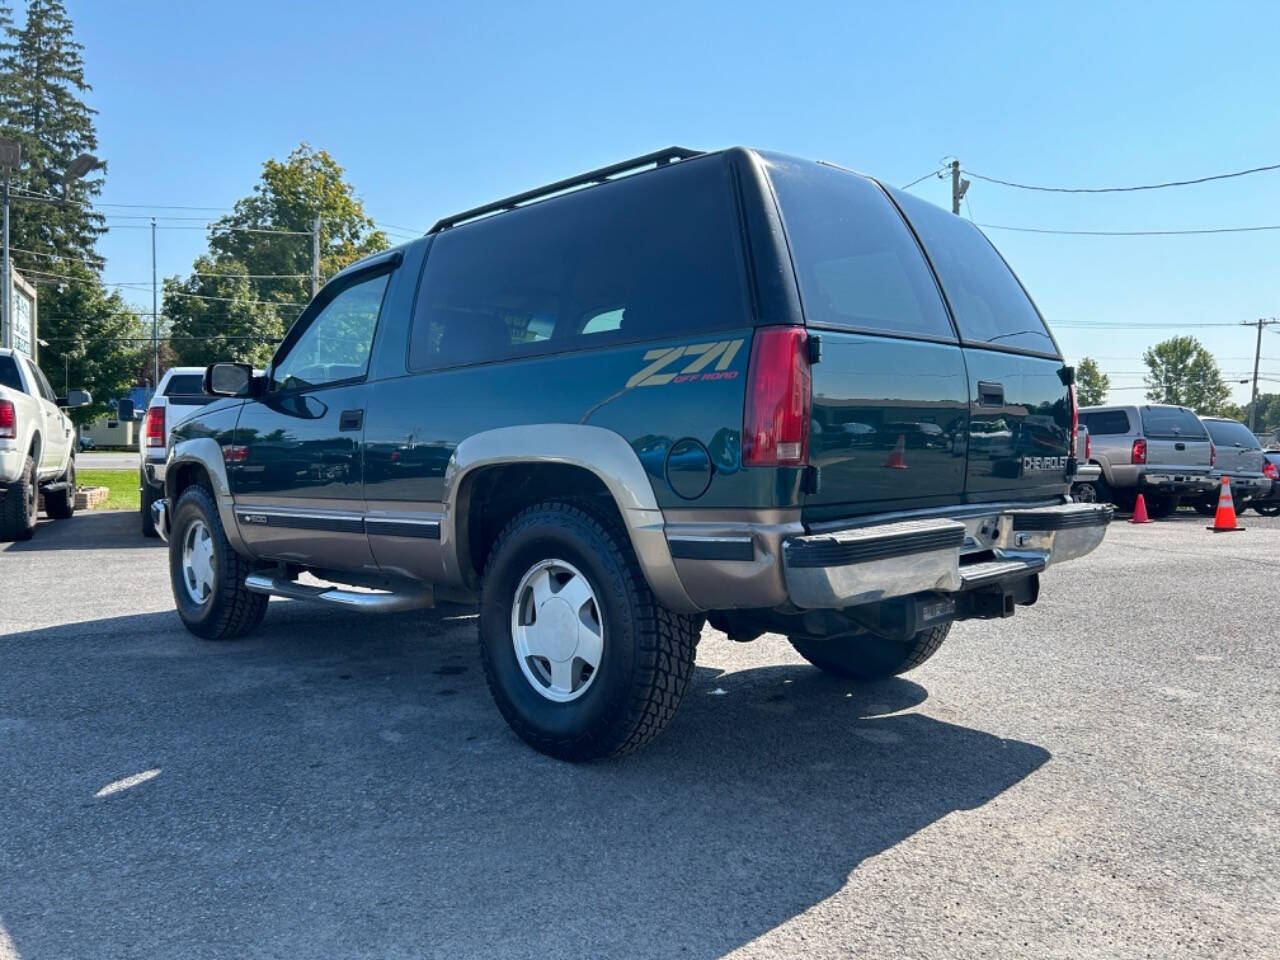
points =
(1075, 420)
(1271, 471)
(1139, 451)
(1088, 445)
(155, 427)
(775, 422)
(8, 420)
(1213, 454)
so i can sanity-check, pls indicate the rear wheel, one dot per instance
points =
(207, 575)
(1267, 509)
(19, 504)
(61, 504)
(581, 659)
(149, 496)
(1101, 490)
(869, 656)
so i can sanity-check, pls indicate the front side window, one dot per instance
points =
(336, 344)
(988, 302)
(651, 256)
(856, 262)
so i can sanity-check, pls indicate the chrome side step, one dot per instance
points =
(370, 602)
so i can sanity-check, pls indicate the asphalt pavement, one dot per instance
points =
(107, 460)
(1096, 777)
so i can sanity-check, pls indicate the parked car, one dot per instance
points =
(1161, 451)
(1267, 503)
(1237, 456)
(588, 408)
(179, 394)
(37, 447)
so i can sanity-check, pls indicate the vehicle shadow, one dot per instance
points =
(328, 787)
(86, 530)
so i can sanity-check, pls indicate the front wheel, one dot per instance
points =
(869, 656)
(207, 575)
(581, 659)
(61, 504)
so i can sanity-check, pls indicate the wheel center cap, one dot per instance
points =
(559, 628)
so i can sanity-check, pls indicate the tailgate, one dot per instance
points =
(1019, 426)
(1239, 451)
(1175, 438)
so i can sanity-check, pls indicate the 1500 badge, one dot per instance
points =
(657, 372)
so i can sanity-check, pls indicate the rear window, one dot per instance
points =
(9, 376)
(187, 388)
(1172, 423)
(987, 300)
(857, 264)
(647, 257)
(1106, 422)
(1226, 433)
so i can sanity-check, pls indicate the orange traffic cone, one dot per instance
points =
(897, 458)
(1140, 511)
(1224, 521)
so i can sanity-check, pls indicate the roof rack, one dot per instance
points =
(658, 158)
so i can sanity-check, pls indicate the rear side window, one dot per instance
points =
(1227, 433)
(987, 300)
(1172, 423)
(647, 257)
(856, 262)
(9, 376)
(1106, 422)
(185, 384)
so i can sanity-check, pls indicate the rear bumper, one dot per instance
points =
(1245, 486)
(866, 564)
(1176, 482)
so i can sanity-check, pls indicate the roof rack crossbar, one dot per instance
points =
(657, 158)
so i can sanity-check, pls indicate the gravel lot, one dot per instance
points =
(1096, 777)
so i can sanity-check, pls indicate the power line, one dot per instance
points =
(931, 173)
(1130, 233)
(1146, 186)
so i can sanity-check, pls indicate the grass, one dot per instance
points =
(123, 485)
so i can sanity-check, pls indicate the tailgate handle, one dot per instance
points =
(351, 420)
(990, 394)
(1179, 445)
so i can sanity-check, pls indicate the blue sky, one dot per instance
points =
(432, 107)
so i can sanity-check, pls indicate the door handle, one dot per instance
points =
(351, 420)
(990, 394)
(1179, 446)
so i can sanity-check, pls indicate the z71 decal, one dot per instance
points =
(701, 354)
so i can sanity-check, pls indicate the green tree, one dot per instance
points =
(1091, 383)
(42, 84)
(242, 296)
(1182, 371)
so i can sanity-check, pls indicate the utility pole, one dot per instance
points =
(155, 310)
(1257, 356)
(10, 159)
(315, 257)
(959, 187)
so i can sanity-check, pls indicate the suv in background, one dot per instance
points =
(592, 408)
(179, 394)
(1161, 451)
(1238, 456)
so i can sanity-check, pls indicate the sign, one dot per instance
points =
(10, 154)
(23, 307)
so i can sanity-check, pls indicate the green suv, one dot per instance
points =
(734, 387)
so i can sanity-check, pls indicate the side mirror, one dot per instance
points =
(228, 380)
(75, 398)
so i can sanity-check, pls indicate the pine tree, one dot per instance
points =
(52, 235)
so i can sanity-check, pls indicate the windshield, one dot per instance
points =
(1227, 433)
(1172, 423)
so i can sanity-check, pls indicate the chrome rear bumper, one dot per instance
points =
(846, 568)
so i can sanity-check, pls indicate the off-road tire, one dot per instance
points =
(869, 656)
(230, 610)
(149, 496)
(61, 504)
(648, 650)
(19, 506)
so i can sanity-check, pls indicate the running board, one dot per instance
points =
(380, 602)
(994, 571)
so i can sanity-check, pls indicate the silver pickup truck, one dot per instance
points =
(1161, 451)
(1238, 456)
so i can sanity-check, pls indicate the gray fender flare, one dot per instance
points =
(205, 452)
(602, 452)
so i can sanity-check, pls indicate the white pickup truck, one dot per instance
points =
(179, 394)
(37, 447)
